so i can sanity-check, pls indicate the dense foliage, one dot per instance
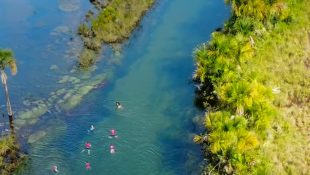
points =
(114, 23)
(9, 155)
(249, 130)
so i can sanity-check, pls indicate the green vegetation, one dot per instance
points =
(7, 60)
(254, 81)
(87, 58)
(117, 20)
(10, 157)
(114, 23)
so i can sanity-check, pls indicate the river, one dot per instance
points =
(150, 75)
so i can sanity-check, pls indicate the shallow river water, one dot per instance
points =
(150, 75)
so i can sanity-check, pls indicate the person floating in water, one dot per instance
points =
(54, 169)
(87, 166)
(113, 133)
(112, 149)
(92, 128)
(118, 105)
(87, 147)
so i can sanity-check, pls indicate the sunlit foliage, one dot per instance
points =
(114, 23)
(242, 64)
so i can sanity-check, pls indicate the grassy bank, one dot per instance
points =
(254, 80)
(114, 23)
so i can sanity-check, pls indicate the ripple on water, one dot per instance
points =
(69, 5)
(60, 30)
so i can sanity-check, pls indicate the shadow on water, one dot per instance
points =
(178, 158)
(181, 155)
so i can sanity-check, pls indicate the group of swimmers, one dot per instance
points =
(88, 144)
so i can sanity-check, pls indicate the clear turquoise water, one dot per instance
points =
(152, 81)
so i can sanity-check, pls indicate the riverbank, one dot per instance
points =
(114, 23)
(253, 79)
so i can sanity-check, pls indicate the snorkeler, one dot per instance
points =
(112, 149)
(118, 105)
(87, 147)
(92, 128)
(87, 166)
(54, 169)
(113, 133)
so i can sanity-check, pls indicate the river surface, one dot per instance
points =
(150, 74)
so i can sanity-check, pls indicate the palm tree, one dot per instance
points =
(7, 60)
(236, 95)
(235, 6)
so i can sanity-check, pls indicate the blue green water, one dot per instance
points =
(152, 80)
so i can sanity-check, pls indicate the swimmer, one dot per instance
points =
(87, 147)
(92, 128)
(112, 149)
(113, 133)
(54, 169)
(118, 105)
(87, 166)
